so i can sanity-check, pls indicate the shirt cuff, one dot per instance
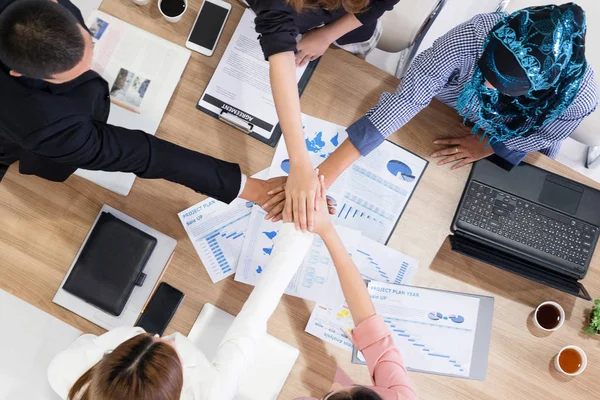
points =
(242, 184)
(368, 332)
(364, 135)
(513, 157)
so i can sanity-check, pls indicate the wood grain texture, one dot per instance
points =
(44, 224)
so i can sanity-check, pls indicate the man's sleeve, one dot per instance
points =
(99, 146)
(427, 76)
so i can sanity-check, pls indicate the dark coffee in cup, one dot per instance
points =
(172, 8)
(548, 316)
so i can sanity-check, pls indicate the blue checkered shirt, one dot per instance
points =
(441, 72)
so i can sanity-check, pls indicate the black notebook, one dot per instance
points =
(110, 264)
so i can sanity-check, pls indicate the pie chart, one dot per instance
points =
(285, 166)
(401, 170)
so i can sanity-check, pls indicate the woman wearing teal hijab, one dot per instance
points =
(521, 81)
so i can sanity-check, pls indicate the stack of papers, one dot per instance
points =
(370, 196)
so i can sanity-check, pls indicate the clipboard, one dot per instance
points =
(481, 343)
(232, 115)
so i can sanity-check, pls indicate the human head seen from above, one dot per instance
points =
(44, 40)
(356, 392)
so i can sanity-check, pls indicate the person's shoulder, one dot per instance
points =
(588, 96)
(269, 8)
(482, 24)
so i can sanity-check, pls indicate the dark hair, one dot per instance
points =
(40, 38)
(140, 368)
(357, 393)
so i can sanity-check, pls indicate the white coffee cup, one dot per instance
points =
(583, 360)
(561, 311)
(141, 2)
(176, 18)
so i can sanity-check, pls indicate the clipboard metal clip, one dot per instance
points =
(235, 121)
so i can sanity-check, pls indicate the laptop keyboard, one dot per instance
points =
(530, 224)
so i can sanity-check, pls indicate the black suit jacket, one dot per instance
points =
(55, 129)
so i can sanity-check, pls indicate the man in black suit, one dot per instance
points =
(54, 108)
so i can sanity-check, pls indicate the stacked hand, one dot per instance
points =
(322, 222)
(278, 196)
(267, 195)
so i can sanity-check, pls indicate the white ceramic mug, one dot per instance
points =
(560, 309)
(141, 2)
(176, 18)
(583, 360)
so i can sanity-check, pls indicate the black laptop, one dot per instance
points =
(530, 222)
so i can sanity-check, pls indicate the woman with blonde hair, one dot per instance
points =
(350, 24)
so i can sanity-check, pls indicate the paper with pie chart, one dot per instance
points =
(217, 231)
(434, 330)
(372, 193)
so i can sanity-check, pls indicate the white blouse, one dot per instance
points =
(201, 379)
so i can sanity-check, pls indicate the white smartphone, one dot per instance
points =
(208, 27)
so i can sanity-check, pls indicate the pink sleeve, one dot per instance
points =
(386, 366)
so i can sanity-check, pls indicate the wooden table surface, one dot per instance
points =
(44, 224)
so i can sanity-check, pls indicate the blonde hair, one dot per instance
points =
(351, 6)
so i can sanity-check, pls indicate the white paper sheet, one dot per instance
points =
(434, 330)
(217, 231)
(316, 278)
(373, 192)
(142, 71)
(241, 84)
(375, 262)
(86, 6)
(383, 264)
(331, 324)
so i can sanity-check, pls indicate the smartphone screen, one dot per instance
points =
(208, 25)
(160, 309)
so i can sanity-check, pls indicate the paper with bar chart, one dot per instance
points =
(375, 262)
(371, 194)
(316, 279)
(435, 330)
(217, 231)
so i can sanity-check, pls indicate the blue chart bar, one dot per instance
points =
(230, 235)
(213, 236)
(342, 210)
(380, 180)
(364, 204)
(438, 355)
(218, 253)
(238, 235)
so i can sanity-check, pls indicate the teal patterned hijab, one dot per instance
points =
(535, 59)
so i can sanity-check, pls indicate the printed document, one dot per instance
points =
(240, 87)
(316, 279)
(217, 231)
(142, 71)
(332, 323)
(373, 192)
(434, 330)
